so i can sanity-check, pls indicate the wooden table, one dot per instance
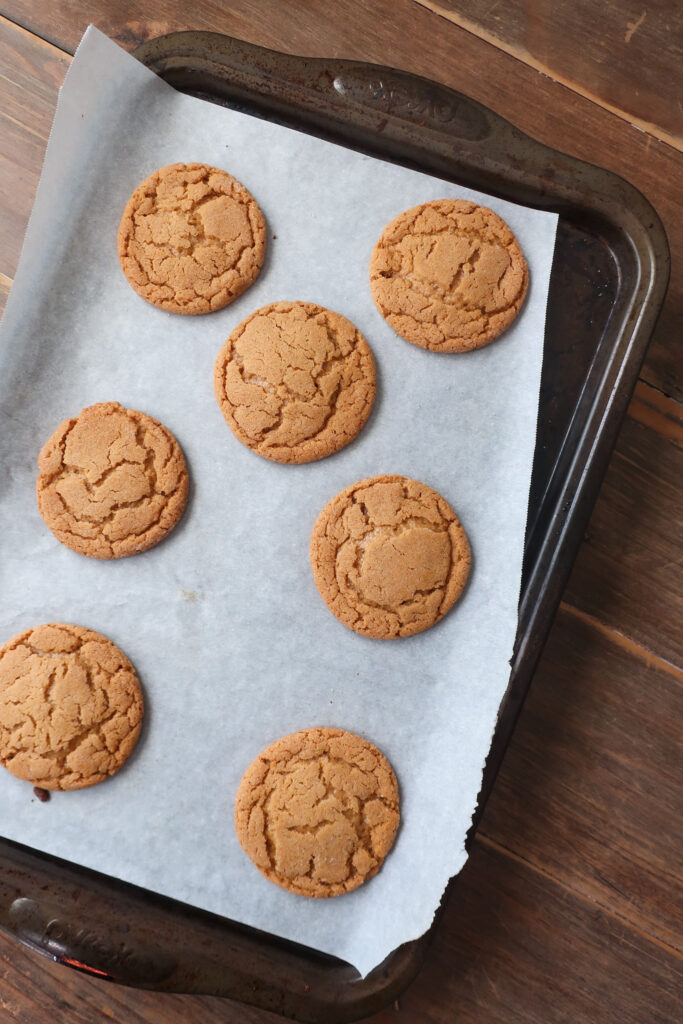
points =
(570, 907)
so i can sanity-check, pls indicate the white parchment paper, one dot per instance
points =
(223, 622)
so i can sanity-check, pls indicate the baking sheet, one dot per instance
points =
(223, 622)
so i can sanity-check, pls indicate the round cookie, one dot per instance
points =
(389, 556)
(317, 812)
(295, 382)
(191, 239)
(112, 482)
(448, 275)
(70, 707)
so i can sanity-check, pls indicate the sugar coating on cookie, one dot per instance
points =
(448, 275)
(317, 812)
(389, 556)
(112, 482)
(191, 239)
(70, 707)
(295, 382)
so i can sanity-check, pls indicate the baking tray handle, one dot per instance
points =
(52, 931)
(347, 100)
(417, 101)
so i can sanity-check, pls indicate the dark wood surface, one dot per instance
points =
(616, 52)
(571, 904)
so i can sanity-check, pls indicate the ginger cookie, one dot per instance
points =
(317, 812)
(70, 707)
(191, 239)
(112, 482)
(389, 556)
(295, 382)
(448, 275)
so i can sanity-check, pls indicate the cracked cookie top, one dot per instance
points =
(389, 556)
(70, 707)
(317, 812)
(448, 275)
(112, 482)
(191, 239)
(295, 382)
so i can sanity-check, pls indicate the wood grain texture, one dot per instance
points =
(518, 949)
(589, 790)
(628, 571)
(5, 285)
(378, 33)
(653, 409)
(30, 75)
(621, 53)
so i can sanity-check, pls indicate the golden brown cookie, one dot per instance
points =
(389, 556)
(448, 275)
(317, 812)
(70, 707)
(112, 482)
(295, 382)
(191, 239)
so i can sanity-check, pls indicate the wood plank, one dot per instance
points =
(5, 285)
(628, 570)
(517, 948)
(602, 51)
(589, 790)
(513, 947)
(438, 50)
(30, 75)
(655, 410)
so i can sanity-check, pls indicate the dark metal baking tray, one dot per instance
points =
(608, 282)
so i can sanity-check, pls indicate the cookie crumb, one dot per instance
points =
(41, 794)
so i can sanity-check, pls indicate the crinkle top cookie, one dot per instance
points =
(112, 481)
(71, 706)
(295, 381)
(448, 275)
(389, 556)
(191, 239)
(317, 812)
